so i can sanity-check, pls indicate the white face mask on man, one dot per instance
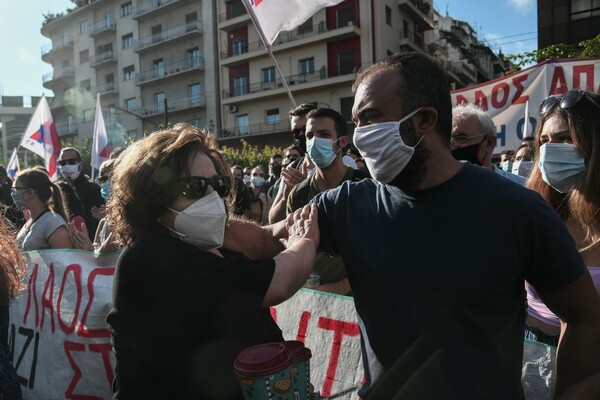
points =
(383, 149)
(70, 171)
(202, 224)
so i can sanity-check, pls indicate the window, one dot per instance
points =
(307, 66)
(159, 101)
(158, 68)
(195, 97)
(131, 104)
(84, 56)
(346, 107)
(306, 27)
(193, 58)
(388, 15)
(346, 62)
(128, 73)
(85, 84)
(241, 85)
(108, 20)
(87, 115)
(345, 16)
(191, 20)
(70, 123)
(126, 9)
(581, 9)
(127, 40)
(273, 116)
(241, 124)
(83, 26)
(197, 122)
(267, 75)
(239, 46)
(156, 32)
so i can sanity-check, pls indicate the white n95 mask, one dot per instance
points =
(383, 149)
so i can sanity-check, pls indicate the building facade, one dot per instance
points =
(567, 21)
(146, 58)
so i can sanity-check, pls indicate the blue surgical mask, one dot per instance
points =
(320, 151)
(257, 180)
(105, 190)
(561, 165)
(507, 166)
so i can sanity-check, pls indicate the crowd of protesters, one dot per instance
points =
(475, 254)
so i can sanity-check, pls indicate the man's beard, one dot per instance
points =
(415, 170)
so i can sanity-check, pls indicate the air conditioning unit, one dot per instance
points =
(233, 108)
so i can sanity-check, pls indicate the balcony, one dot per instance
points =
(238, 17)
(100, 27)
(286, 40)
(65, 42)
(172, 69)
(107, 88)
(66, 129)
(181, 104)
(420, 11)
(65, 74)
(410, 42)
(255, 129)
(166, 36)
(149, 8)
(465, 71)
(103, 58)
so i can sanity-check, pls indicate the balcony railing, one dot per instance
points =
(104, 25)
(412, 39)
(150, 5)
(167, 35)
(420, 10)
(57, 44)
(101, 58)
(66, 72)
(262, 128)
(175, 105)
(108, 87)
(196, 63)
(285, 37)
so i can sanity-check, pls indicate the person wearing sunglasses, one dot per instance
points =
(473, 139)
(47, 226)
(184, 306)
(567, 175)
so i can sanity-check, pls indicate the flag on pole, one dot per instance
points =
(100, 148)
(41, 137)
(13, 165)
(274, 16)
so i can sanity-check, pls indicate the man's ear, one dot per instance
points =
(491, 142)
(343, 142)
(426, 120)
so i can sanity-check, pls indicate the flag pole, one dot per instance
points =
(268, 47)
(526, 127)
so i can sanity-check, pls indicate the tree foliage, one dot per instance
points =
(250, 156)
(586, 49)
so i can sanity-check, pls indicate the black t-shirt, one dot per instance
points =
(90, 196)
(181, 315)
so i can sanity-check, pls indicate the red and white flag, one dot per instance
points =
(41, 137)
(274, 16)
(13, 165)
(100, 148)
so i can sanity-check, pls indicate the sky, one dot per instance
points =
(509, 25)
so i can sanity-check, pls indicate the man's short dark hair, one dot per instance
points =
(294, 147)
(302, 109)
(341, 127)
(423, 83)
(70, 149)
(274, 156)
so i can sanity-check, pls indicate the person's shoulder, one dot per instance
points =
(51, 216)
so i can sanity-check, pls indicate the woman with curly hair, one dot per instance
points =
(567, 175)
(47, 226)
(184, 306)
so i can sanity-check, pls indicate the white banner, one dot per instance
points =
(62, 348)
(505, 98)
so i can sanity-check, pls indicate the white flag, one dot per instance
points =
(274, 16)
(41, 137)
(13, 165)
(100, 148)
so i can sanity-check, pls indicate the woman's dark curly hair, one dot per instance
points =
(146, 177)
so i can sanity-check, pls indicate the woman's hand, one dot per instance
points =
(80, 239)
(302, 224)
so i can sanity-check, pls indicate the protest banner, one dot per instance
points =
(505, 98)
(62, 350)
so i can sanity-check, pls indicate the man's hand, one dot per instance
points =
(99, 212)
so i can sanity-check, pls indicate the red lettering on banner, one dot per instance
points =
(339, 328)
(47, 297)
(559, 82)
(104, 349)
(518, 83)
(31, 285)
(75, 347)
(303, 326)
(83, 330)
(460, 99)
(505, 89)
(588, 71)
(481, 100)
(76, 268)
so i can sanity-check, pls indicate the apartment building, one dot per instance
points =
(15, 113)
(150, 60)
(567, 21)
(319, 59)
